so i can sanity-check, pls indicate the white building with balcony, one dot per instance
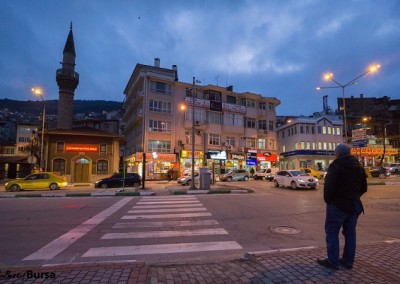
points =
(159, 122)
(309, 142)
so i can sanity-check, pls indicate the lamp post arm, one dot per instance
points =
(355, 79)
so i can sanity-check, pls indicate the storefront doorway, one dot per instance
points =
(81, 171)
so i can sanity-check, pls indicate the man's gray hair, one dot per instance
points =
(342, 150)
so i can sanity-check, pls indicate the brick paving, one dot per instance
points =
(375, 263)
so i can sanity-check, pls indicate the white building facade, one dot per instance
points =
(236, 129)
(309, 142)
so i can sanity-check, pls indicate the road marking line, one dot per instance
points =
(63, 242)
(162, 248)
(167, 206)
(166, 210)
(180, 197)
(165, 234)
(165, 224)
(168, 202)
(163, 216)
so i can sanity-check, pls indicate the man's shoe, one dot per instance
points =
(344, 264)
(325, 262)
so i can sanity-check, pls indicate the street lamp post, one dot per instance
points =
(329, 77)
(39, 92)
(193, 186)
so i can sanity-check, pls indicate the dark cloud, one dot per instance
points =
(274, 48)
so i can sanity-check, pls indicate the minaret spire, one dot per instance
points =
(67, 80)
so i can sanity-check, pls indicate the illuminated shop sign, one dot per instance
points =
(216, 155)
(81, 148)
(374, 151)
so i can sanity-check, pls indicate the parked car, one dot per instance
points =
(236, 174)
(394, 168)
(379, 172)
(186, 180)
(40, 180)
(311, 172)
(295, 179)
(264, 174)
(116, 180)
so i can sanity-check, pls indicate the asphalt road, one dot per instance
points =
(162, 229)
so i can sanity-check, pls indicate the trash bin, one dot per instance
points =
(205, 179)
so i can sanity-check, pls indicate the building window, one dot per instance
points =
(160, 106)
(214, 117)
(233, 119)
(250, 122)
(262, 105)
(271, 125)
(251, 142)
(301, 129)
(249, 103)
(102, 167)
(319, 129)
(199, 114)
(161, 88)
(103, 149)
(262, 144)
(159, 126)
(188, 137)
(60, 147)
(159, 146)
(329, 130)
(59, 166)
(262, 124)
(308, 145)
(338, 132)
(214, 139)
(230, 141)
(323, 129)
(212, 95)
(271, 106)
(231, 99)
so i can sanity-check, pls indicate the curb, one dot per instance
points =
(83, 194)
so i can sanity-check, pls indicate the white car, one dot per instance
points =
(295, 179)
(394, 168)
(186, 180)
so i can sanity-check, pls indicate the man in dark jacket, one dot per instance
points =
(345, 183)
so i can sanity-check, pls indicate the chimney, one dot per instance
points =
(230, 88)
(361, 96)
(175, 68)
(157, 62)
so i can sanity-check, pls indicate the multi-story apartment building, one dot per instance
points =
(309, 141)
(25, 134)
(231, 130)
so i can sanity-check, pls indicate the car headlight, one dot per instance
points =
(301, 180)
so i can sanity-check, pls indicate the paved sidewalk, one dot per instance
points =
(375, 263)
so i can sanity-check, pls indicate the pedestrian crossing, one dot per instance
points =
(172, 223)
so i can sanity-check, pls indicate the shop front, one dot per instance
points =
(316, 159)
(372, 154)
(235, 161)
(266, 160)
(186, 161)
(156, 165)
(217, 161)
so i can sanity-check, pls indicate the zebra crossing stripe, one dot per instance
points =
(165, 216)
(165, 234)
(168, 202)
(165, 224)
(162, 249)
(167, 206)
(134, 211)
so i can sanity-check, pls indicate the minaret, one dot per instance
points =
(67, 80)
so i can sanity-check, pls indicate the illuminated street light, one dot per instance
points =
(39, 92)
(329, 77)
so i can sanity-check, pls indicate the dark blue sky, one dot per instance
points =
(274, 48)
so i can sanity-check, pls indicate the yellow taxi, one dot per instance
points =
(39, 180)
(311, 172)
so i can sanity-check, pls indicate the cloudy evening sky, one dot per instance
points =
(274, 48)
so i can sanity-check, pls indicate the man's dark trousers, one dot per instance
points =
(335, 219)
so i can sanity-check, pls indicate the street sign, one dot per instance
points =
(359, 134)
(360, 143)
